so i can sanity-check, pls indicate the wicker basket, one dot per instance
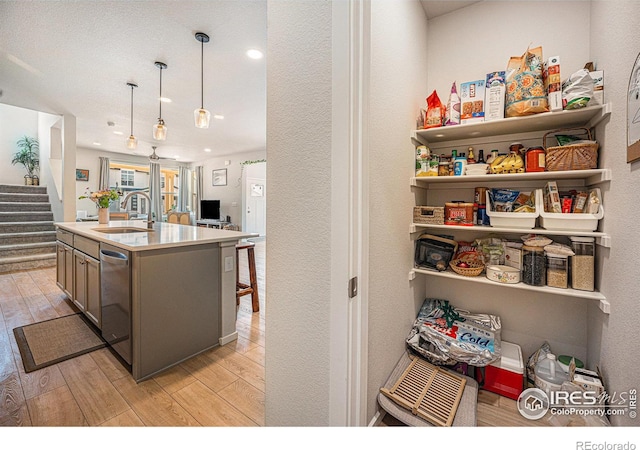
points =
(432, 215)
(474, 269)
(572, 156)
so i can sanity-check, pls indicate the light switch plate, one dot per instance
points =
(228, 263)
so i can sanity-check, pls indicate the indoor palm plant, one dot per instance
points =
(28, 155)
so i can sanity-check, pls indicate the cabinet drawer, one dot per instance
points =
(64, 236)
(88, 246)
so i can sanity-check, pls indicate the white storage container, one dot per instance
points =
(503, 274)
(514, 219)
(569, 221)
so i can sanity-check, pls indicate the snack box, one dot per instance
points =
(553, 83)
(506, 375)
(598, 87)
(495, 89)
(472, 101)
(570, 221)
(512, 219)
(552, 197)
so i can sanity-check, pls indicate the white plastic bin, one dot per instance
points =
(514, 219)
(569, 221)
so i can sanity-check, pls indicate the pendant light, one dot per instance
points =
(132, 141)
(160, 129)
(201, 115)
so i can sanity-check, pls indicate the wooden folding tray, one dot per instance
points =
(428, 392)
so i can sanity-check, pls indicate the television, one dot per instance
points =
(210, 209)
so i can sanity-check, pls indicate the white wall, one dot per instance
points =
(15, 123)
(299, 213)
(614, 340)
(398, 86)
(232, 192)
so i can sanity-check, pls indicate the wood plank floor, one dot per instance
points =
(224, 386)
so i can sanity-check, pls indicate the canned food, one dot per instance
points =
(480, 196)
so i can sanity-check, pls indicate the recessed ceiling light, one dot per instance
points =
(97, 143)
(218, 116)
(119, 133)
(165, 100)
(254, 54)
(176, 156)
(207, 150)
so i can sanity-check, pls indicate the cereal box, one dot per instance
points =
(494, 96)
(553, 83)
(472, 102)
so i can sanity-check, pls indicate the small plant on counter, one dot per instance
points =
(103, 198)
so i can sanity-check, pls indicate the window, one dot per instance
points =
(126, 177)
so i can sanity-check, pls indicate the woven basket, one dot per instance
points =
(473, 270)
(572, 156)
(432, 215)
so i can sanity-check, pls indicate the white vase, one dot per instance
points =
(103, 215)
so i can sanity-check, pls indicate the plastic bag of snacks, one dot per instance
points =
(435, 111)
(577, 90)
(452, 113)
(445, 335)
(525, 86)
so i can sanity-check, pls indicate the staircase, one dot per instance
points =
(27, 233)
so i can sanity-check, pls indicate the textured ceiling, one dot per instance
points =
(77, 56)
(438, 8)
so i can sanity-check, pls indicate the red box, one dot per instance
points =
(506, 375)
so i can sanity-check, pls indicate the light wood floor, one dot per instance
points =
(221, 387)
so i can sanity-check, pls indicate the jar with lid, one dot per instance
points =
(557, 270)
(533, 265)
(582, 263)
(443, 168)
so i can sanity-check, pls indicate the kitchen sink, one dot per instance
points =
(120, 230)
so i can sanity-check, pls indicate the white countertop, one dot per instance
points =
(163, 235)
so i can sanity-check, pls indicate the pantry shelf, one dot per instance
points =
(603, 303)
(602, 239)
(590, 116)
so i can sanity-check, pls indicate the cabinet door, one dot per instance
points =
(93, 304)
(80, 280)
(60, 267)
(68, 271)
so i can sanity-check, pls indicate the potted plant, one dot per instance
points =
(28, 155)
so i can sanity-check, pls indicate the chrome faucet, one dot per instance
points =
(125, 200)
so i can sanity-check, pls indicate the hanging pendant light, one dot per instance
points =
(160, 129)
(201, 115)
(132, 141)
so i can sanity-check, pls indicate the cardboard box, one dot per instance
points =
(552, 198)
(553, 83)
(472, 101)
(513, 255)
(598, 87)
(495, 89)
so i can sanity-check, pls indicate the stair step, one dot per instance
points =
(34, 248)
(19, 188)
(25, 216)
(27, 227)
(27, 237)
(21, 197)
(15, 263)
(24, 206)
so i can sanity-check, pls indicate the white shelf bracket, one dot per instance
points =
(604, 176)
(604, 241)
(605, 306)
(412, 275)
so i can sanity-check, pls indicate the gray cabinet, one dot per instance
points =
(64, 268)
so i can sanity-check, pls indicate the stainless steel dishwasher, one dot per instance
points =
(115, 273)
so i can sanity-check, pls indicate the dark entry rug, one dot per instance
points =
(46, 343)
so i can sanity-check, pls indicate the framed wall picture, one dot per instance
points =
(633, 114)
(220, 177)
(82, 175)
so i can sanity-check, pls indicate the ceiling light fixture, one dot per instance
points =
(160, 129)
(201, 116)
(254, 54)
(218, 116)
(207, 150)
(132, 141)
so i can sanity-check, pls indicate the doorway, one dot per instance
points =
(254, 199)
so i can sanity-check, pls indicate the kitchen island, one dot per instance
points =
(180, 282)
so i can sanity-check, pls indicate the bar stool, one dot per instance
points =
(252, 288)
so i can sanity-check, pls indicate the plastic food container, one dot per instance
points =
(533, 266)
(503, 274)
(557, 270)
(506, 375)
(569, 221)
(583, 263)
(512, 219)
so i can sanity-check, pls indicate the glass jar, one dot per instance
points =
(533, 266)
(557, 270)
(583, 263)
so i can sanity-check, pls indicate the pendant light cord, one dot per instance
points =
(202, 74)
(132, 110)
(160, 118)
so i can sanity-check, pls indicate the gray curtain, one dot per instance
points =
(183, 189)
(155, 192)
(103, 176)
(199, 189)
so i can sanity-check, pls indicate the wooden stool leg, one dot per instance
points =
(253, 279)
